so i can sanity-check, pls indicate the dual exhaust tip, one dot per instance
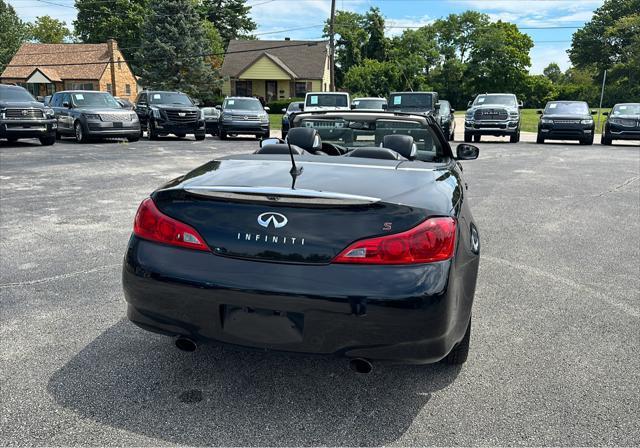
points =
(358, 365)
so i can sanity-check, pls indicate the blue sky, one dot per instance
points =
(307, 17)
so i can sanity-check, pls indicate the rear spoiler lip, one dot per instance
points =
(280, 194)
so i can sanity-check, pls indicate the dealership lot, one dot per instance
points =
(555, 350)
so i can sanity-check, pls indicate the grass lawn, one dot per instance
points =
(530, 119)
(275, 121)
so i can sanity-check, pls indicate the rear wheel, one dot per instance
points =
(587, 141)
(460, 352)
(606, 139)
(133, 139)
(476, 138)
(223, 135)
(200, 137)
(48, 140)
(12, 140)
(467, 137)
(539, 138)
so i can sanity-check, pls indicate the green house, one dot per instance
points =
(275, 69)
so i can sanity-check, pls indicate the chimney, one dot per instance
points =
(112, 46)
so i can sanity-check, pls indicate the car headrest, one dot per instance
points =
(402, 144)
(375, 153)
(279, 148)
(306, 138)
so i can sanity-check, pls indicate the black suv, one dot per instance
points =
(566, 120)
(21, 116)
(163, 113)
(423, 103)
(623, 123)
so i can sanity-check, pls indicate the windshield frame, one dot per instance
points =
(247, 100)
(548, 110)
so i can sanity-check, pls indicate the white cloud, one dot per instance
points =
(542, 55)
(395, 27)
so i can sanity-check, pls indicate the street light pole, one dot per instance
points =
(332, 48)
(604, 80)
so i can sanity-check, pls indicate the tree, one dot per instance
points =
(377, 43)
(99, 20)
(230, 17)
(47, 30)
(537, 91)
(416, 54)
(457, 33)
(499, 59)
(372, 78)
(174, 54)
(12, 33)
(553, 73)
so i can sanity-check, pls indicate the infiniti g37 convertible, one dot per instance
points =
(353, 237)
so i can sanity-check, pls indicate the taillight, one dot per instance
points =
(433, 240)
(151, 224)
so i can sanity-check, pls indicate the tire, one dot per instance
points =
(151, 131)
(181, 135)
(587, 141)
(476, 138)
(133, 139)
(81, 136)
(12, 140)
(460, 352)
(284, 135)
(606, 140)
(452, 137)
(467, 137)
(58, 136)
(515, 138)
(200, 137)
(540, 139)
(223, 135)
(47, 141)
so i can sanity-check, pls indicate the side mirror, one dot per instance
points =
(270, 141)
(539, 112)
(465, 151)
(520, 105)
(352, 107)
(385, 107)
(284, 111)
(606, 114)
(469, 104)
(66, 104)
(267, 108)
(196, 102)
(219, 107)
(593, 112)
(301, 106)
(453, 111)
(437, 106)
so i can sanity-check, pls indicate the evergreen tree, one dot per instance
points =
(175, 53)
(377, 44)
(12, 33)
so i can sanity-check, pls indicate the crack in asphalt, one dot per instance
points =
(58, 277)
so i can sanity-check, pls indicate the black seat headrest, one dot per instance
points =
(375, 153)
(279, 148)
(402, 144)
(306, 138)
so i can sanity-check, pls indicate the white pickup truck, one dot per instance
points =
(316, 101)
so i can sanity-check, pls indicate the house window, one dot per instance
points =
(80, 86)
(127, 89)
(110, 88)
(300, 89)
(243, 88)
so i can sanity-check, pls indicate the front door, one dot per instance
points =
(271, 89)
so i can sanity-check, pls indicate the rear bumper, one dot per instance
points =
(397, 313)
(28, 128)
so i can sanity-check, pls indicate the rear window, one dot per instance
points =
(372, 104)
(326, 100)
(411, 101)
(566, 108)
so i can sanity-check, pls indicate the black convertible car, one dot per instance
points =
(354, 237)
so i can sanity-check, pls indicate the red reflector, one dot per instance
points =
(151, 224)
(433, 240)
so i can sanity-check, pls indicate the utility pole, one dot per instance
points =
(332, 48)
(604, 80)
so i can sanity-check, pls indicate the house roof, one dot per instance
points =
(306, 59)
(87, 61)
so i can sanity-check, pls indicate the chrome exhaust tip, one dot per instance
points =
(360, 365)
(185, 344)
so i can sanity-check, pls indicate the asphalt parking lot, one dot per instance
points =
(555, 348)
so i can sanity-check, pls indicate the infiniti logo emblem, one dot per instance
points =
(278, 220)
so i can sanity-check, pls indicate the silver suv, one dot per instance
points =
(495, 114)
